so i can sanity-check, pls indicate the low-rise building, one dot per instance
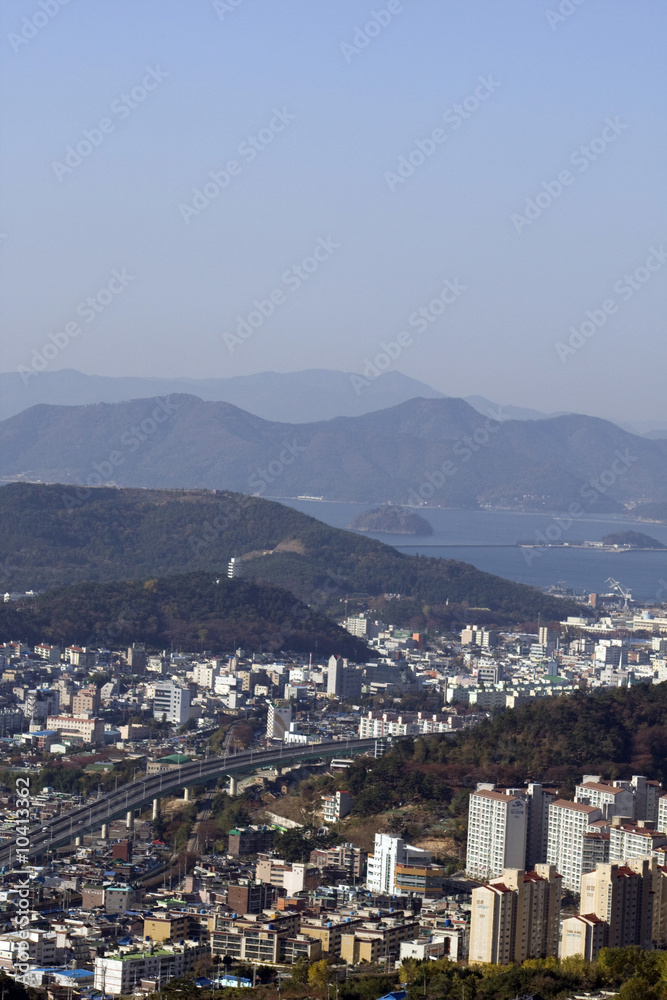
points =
(124, 971)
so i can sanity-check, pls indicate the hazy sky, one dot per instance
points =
(115, 111)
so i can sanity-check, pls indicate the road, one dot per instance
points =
(119, 802)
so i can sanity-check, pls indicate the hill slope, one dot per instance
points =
(441, 450)
(51, 535)
(616, 733)
(193, 611)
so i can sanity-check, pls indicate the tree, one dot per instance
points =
(639, 989)
(318, 975)
(300, 971)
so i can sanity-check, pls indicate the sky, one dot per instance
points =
(470, 192)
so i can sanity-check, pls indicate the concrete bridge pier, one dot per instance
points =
(233, 785)
(105, 831)
(129, 819)
(156, 808)
(77, 841)
(186, 794)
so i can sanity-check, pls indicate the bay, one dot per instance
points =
(487, 539)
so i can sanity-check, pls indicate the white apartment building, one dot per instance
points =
(627, 842)
(497, 830)
(662, 814)
(123, 973)
(172, 701)
(390, 851)
(377, 724)
(336, 806)
(205, 675)
(612, 799)
(568, 822)
(41, 948)
(90, 730)
(278, 721)
(357, 625)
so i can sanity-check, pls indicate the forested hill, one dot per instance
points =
(52, 534)
(193, 612)
(616, 733)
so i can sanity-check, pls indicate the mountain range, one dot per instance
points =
(293, 397)
(440, 451)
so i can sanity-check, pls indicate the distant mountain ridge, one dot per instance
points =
(292, 397)
(436, 450)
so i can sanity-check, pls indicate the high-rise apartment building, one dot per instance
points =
(583, 935)
(612, 799)
(621, 896)
(278, 721)
(628, 841)
(516, 916)
(538, 800)
(497, 828)
(568, 822)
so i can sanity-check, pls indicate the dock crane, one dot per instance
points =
(620, 589)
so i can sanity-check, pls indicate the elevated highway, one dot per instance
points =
(122, 802)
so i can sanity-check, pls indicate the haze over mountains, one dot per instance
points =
(439, 450)
(294, 397)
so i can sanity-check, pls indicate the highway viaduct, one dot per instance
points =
(122, 802)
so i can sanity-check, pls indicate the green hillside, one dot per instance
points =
(52, 535)
(616, 732)
(194, 611)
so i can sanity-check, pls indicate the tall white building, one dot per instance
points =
(612, 799)
(389, 852)
(627, 841)
(171, 701)
(278, 721)
(497, 829)
(205, 675)
(539, 799)
(568, 822)
(343, 681)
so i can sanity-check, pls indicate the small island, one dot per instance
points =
(391, 520)
(632, 540)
